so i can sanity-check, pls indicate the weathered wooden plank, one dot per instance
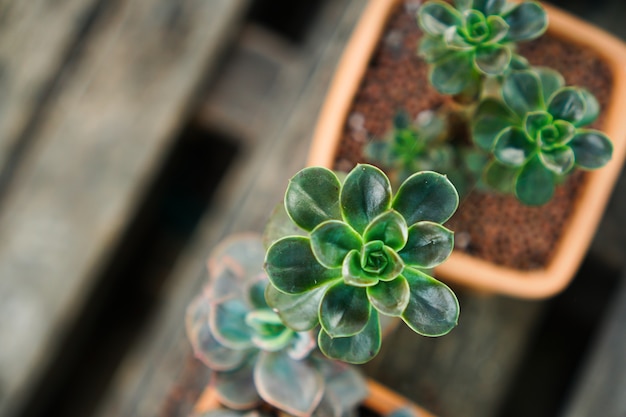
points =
(104, 135)
(35, 38)
(601, 385)
(255, 184)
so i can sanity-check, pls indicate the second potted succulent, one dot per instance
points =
(520, 124)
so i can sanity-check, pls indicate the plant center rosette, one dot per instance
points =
(362, 252)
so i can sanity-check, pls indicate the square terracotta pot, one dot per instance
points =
(461, 268)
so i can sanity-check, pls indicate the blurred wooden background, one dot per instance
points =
(135, 134)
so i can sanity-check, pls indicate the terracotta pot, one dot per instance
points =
(380, 400)
(461, 268)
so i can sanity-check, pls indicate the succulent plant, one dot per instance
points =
(537, 134)
(253, 355)
(362, 252)
(473, 39)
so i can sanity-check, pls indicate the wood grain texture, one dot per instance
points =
(601, 385)
(104, 134)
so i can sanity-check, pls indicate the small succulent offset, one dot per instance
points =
(536, 133)
(412, 146)
(473, 39)
(253, 355)
(362, 254)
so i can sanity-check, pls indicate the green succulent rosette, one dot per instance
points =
(362, 253)
(537, 134)
(470, 39)
(253, 356)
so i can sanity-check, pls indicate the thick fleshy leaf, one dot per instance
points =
(302, 344)
(227, 319)
(432, 48)
(551, 81)
(269, 332)
(521, 91)
(535, 183)
(501, 177)
(312, 197)
(454, 73)
(491, 118)
(331, 241)
(498, 29)
(592, 108)
(566, 131)
(287, 384)
(568, 104)
(378, 260)
(527, 20)
(592, 148)
(429, 244)
(558, 160)
(236, 389)
(489, 7)
(455, 41)
(356, 349)
(329, 406)
(390, 228)
(298, 311)
(390, 298)
(353, 273)
(535, 121)
(346, 383)
(280, 225)
(256, 290)
(206, 348)
(366, 193)
(433, 309)
(344, 310)
(292, 267)
(435, 17)
(426, 196)
(513, 147)
(493, 59)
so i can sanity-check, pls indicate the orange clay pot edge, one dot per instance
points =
(585, 218)
(380, 399)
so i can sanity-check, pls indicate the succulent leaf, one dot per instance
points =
(592, 108)
(568, 104)
(366, 193)
(501, 177)
(527, 20)
(360, 348)
(428, 246)
(390, 228)
(344, 310)
(353, 273)
(298, 311)
(228, 323)
(236, 389)
(592, 149)
(312, 197)
(331, 242)
(535, 183)
(436, 16)
(493, 59)
(558, 160)
(551, 81)
(290, 385)
(390, 297)
(426, 196)
(513, 147)
(453, 73)
(491, 117)
(521, 91)
(433, 309)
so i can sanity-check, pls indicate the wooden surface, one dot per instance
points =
(601, 385)
(130, 71)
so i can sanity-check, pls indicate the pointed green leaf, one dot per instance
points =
(206, 348)
(454, 73)
(535, 183)
(558, 160)
(344, 310)
(390, 228)
(436, 16)
(426, 196)
(429, 245)
(390, 298)
(551, 81)
(433, 309)
(292, 267)
(287, 384)
(567, 104)
(521, 91)
(236, 389)
(356, 349)
(513, 147)
(298, 311)
(501, 177)
(527, 21)
(366, 193)
(493, 59)
(592, 148)
(331, 241)
(312, 197)
(491, 118)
